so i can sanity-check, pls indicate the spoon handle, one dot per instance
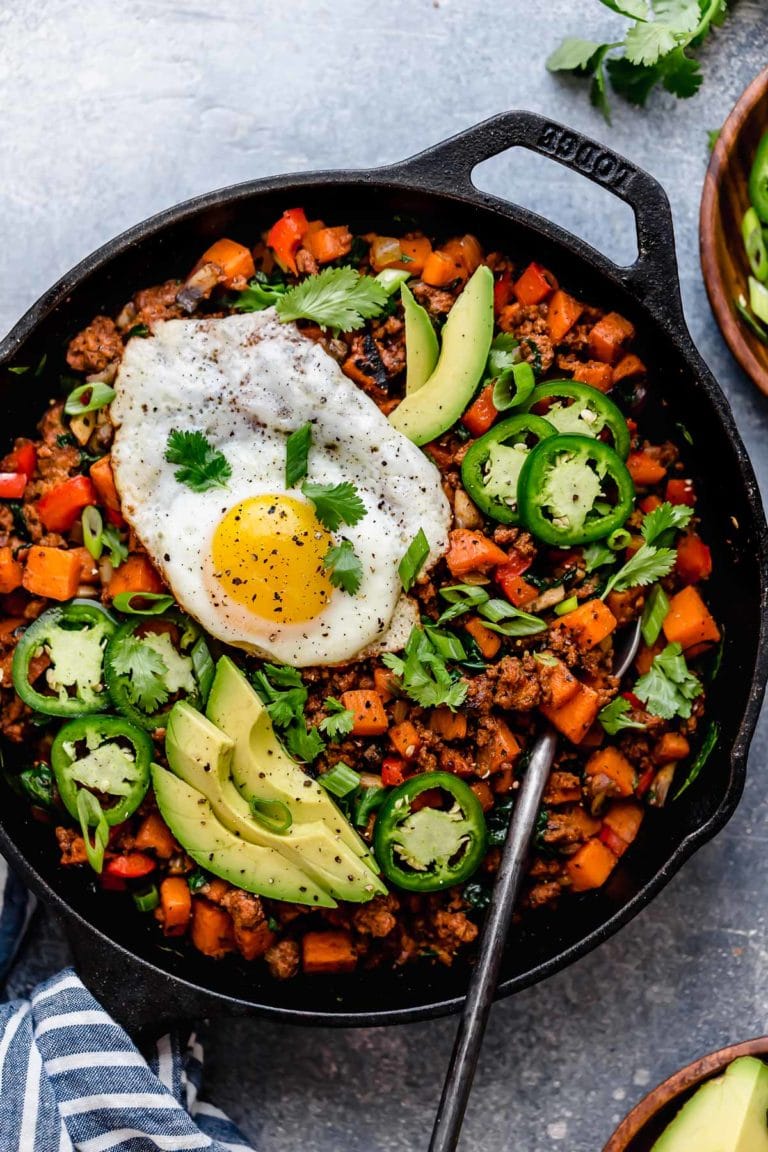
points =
(482, 985)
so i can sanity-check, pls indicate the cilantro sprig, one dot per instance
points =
(285, 695)
(345, 569)
(336, 298)
(654, 50)
(668, 689)
(614, 716)
(339, 720)
(145, 671)
(653, 559)
(201, 466)
(423, 673)
(335, 504)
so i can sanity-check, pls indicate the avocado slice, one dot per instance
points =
(252, 867)
(426, 413)
(725, 1115)
(421, 345)
(261, 768)
(201, 755)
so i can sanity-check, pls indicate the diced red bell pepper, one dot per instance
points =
(681, 492)
(479, 416)
(21, 459)
(518, 591)
(12, 485)
(392, 771)
(503, 291)
(612, 840)
(645, 469)
(59, 509)
(694, 559)
(650, 503)
(112, 883)
(645, 781)
(285, 236)
(535, 284)
(130, 866)
(633, 700)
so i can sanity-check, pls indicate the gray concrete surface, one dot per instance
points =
(109, 113)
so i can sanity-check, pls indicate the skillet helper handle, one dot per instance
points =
(448, 167)
(485, 977)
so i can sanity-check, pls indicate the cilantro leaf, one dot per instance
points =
(504, 353)
(682, 74)
(667, 516)
(571, 54)
(668, 688)
(339, 720)
(335, 504)
(598, 555)
(297, 455)
(645, 43)
(303, 743)
(632, 81)
(413, 560)
(647, 566)
(613, 717)
(345, 569)
(338, 298)
(145, 670)
(285, 696)
(423, 673)
(201, 465)
(259, 294)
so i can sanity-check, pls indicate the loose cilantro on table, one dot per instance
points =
(335, 504)
(653, 50)
(345, 569)
(337, 298)
(201, 466)
(668, 689)
(614, 716)
(423, 673)
(339, 720)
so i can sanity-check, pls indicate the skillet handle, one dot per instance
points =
(448, 167)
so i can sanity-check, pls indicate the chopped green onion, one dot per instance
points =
(513, 386)
(522, 624)
(708, 745)
(88, 398)
(758, 299)
(413, 560)
(273, 814)
(619, 539)
(752, 234)
(740, 304)
(546, 658)
(91, 815)
(370, 800)
(496, 610)
(392, 278)
(146, 603)
(340, 780)
(147, 899)
(93, 531)
(654, 615)
(565, 606)
(297, 455)
(203, 667)
(464, 593)
(445, 643)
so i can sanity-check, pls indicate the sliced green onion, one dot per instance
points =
(546, 658)
(146, 603)
(654, 615)
(297, 455)
(392, 278)
(413, 560)
(740, 304)
(569, 605)
(513, 386)
(471, 594)
(758, 299)
(445, 643)
(147, 899)
(752, 234)
(520, 623)
(88, 398)
(93, 531)
(91, 815)
(370, 800)
(619, 539)
(273, 814)
(203, 667)
(708, 745)
(340, 780)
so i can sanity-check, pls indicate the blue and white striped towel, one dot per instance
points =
(71, 1078)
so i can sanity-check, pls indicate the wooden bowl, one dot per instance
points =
(724, 201)
(645, 1123)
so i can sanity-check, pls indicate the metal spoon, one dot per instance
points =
(482, 984)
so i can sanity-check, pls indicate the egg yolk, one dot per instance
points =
(268, 554)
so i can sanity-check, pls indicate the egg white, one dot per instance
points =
(247, 382)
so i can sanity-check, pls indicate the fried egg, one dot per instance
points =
(246, 561)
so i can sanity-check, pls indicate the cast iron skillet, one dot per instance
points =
(147, 981)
